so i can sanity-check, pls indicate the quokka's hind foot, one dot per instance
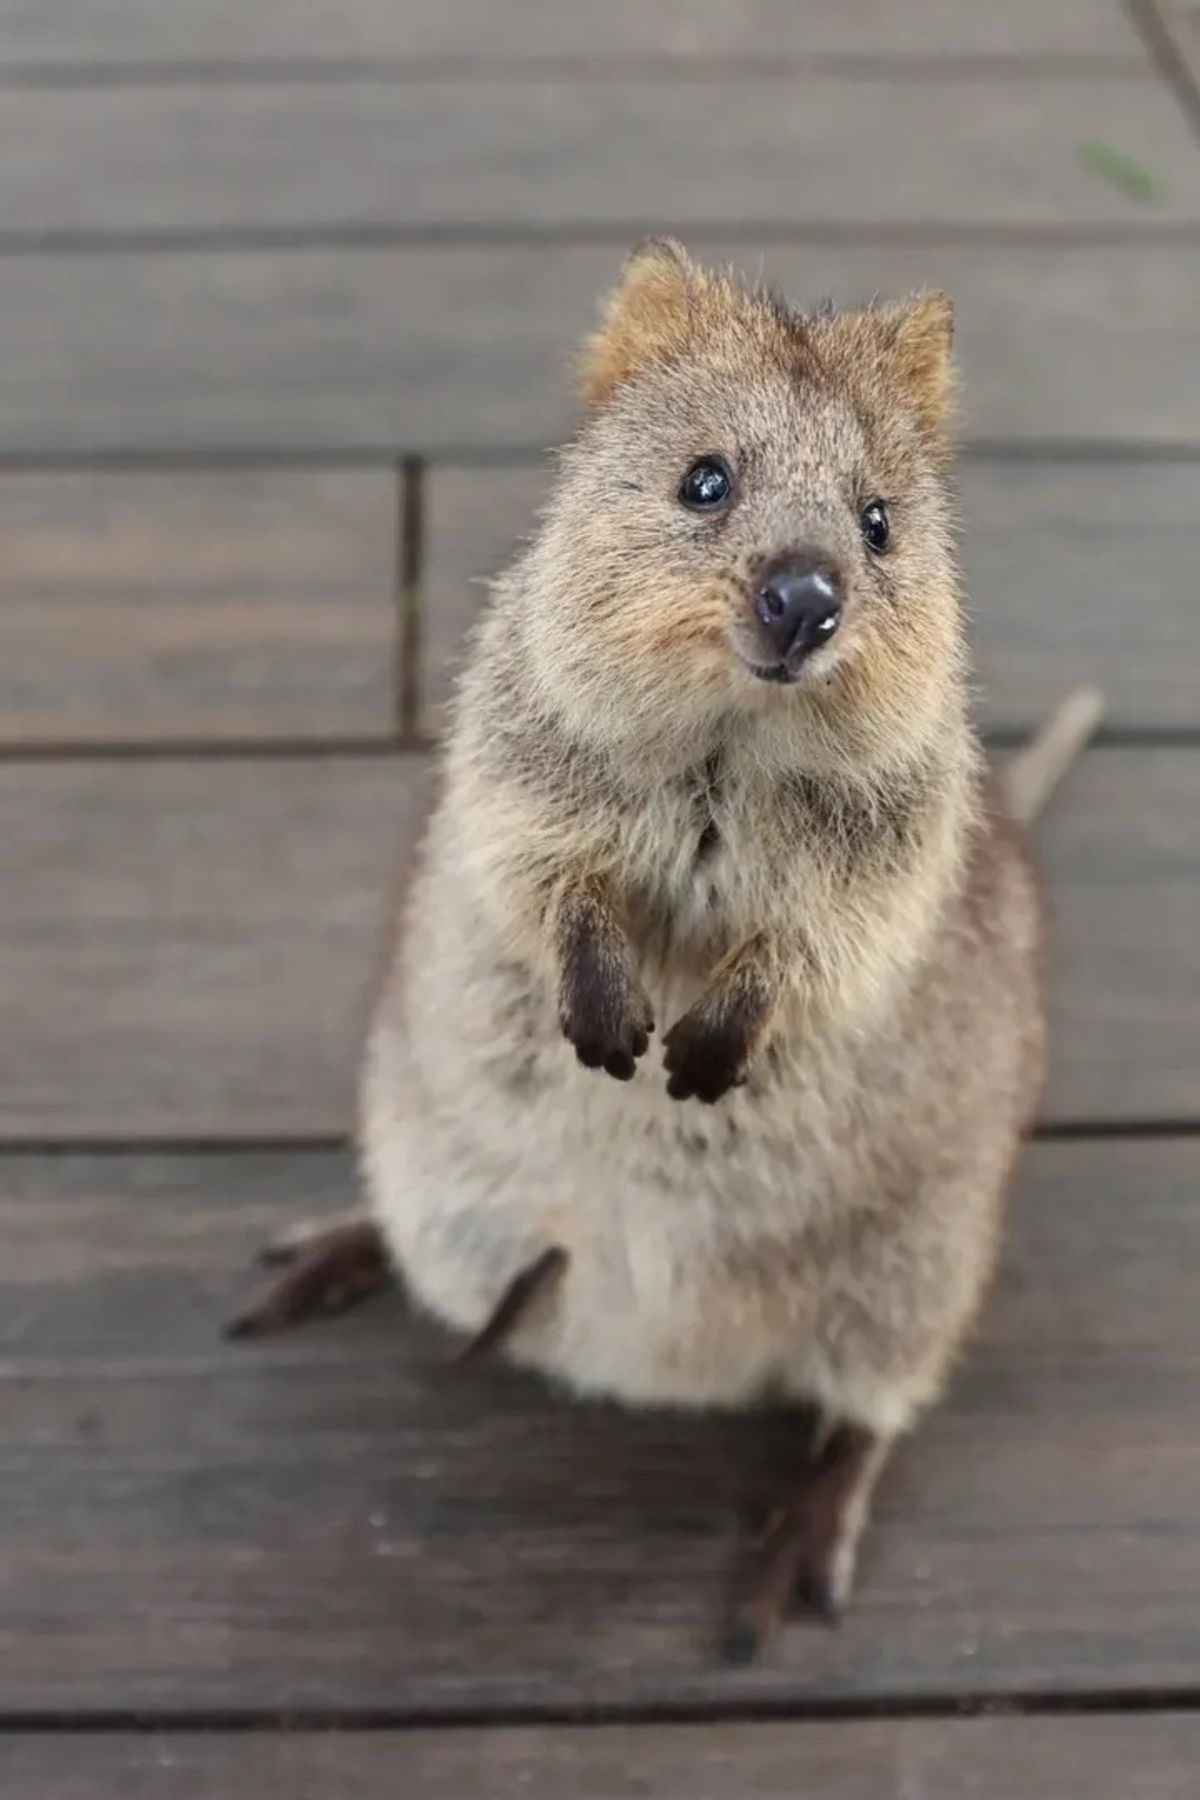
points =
(807, 1550)
(323, 1269)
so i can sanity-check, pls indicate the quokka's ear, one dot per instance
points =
(919, 347)
(649, 317)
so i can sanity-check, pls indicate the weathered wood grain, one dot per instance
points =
(193, 949)
(143, 606)
(635, 153)
(989, 1759)
(1180, 23)
(1074, 573)
(144, 31)
(432, 349)
(339, 1520)
(1079, 573)
(116, 1260)
(185, 947)
(335, 1522)
(1122, 859)
(475, 521)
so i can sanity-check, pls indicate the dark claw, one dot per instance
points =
(702, 1064)
(818, 1595)
(246, 1325)
(755, 1518)
(683, 1086)
(277, 1256)
(741, 1645)
(613, 1046)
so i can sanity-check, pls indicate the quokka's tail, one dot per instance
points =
(1032, 775)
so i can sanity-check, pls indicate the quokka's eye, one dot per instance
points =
(707, 485)
(876, 526)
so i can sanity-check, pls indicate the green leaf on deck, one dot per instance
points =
(1121, 171)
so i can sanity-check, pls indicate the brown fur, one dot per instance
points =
(811, 887)
(711, 1048)
(602, 1008)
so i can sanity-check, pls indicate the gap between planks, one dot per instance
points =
(849, 65)
(412, 741)
(261, 236)
(1030, 1704)
(115, 459)
(14, 1144)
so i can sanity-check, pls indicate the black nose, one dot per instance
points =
(799, 604)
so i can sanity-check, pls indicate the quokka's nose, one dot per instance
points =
(799, 604)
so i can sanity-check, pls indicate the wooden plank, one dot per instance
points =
(1122, 860)
(336, 1520)
(1081, 573)
(1074, 572)
(144, 31)
(116, 1260)
(475, 521)
(185, 947)
(143, 606)
(436, 349)
(193, 946)
(1179, 23)
(579, 153)
(990, 1759)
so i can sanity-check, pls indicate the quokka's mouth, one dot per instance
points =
(813, 667)
(779, 673)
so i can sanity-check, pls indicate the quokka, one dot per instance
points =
(711, 774)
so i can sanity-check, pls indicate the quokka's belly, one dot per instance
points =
(713, 1250)
(471, 1184)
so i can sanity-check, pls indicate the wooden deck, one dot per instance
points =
(288, 293)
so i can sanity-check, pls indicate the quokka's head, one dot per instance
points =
(754, 516)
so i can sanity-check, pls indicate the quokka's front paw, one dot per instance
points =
(706, 1053)
(606, 1016)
